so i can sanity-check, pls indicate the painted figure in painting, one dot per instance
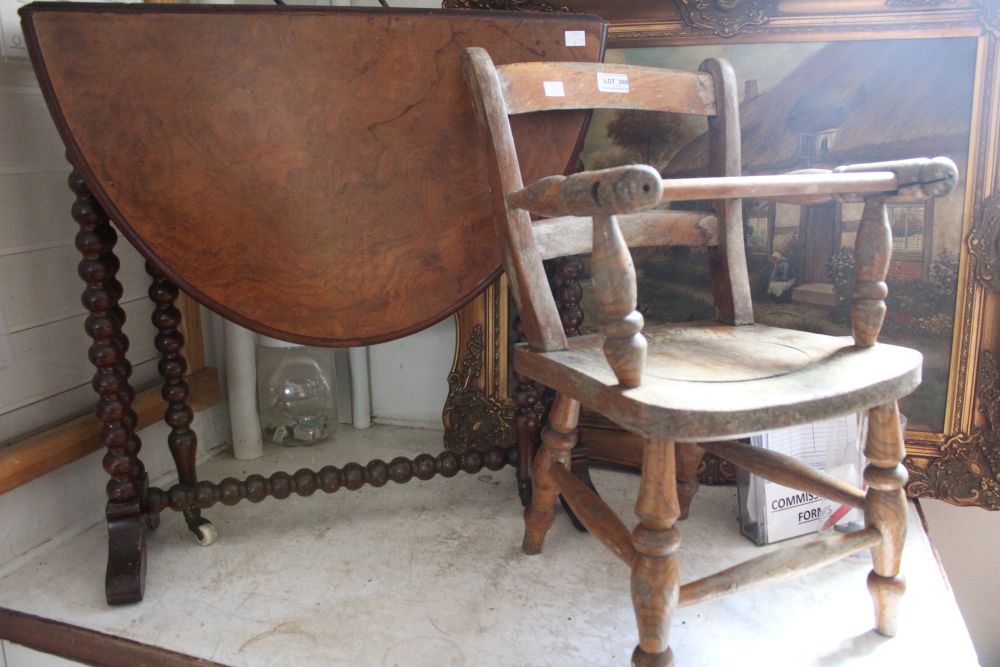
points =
(779, 287)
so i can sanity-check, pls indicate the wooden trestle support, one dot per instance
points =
(133, 507)
(96, 239)
(328, 479)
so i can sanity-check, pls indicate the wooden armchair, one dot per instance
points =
(695, 382)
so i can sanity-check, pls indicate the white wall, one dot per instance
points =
(409, 377)
(39, 287)
(72, 497)
(968, 542)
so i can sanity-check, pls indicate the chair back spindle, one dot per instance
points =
(727, 260)
(540, 319)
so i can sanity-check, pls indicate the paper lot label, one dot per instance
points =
(612, 83)
(554, 89)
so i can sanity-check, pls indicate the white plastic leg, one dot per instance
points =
(241, 377)
(360, 389)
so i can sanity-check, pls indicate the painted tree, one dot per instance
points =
(650, 137)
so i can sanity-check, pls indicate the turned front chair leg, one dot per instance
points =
(655, 581)
(689, 458)
(885, 509)
(558, 439)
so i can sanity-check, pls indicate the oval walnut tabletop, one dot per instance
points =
(313, 174)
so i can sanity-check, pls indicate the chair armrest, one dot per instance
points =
(604, 191)
(916, 179)
(636, 187)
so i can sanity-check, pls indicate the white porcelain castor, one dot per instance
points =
(204, 532)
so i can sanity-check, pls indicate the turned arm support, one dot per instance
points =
(916, 180)
(604, 194)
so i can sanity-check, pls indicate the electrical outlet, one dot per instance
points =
(12, 44)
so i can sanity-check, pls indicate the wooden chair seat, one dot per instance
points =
(709, 380)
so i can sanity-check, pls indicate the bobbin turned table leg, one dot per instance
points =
(182, 441)
(558, 439)
(885, 509)
(655, 580)
(527, 423)
(126, 571)
(568, 292)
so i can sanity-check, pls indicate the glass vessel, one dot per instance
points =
(295, 392)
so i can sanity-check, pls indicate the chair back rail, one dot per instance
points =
(571, 235)
(550, 86)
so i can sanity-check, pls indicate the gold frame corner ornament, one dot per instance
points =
(968, 471)
(989, 14)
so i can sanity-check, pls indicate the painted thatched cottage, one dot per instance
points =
(855, 102)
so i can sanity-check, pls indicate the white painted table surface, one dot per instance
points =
(430, 573)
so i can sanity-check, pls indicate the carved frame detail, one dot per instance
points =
(984, 245)
(477, 412)
(968, 471)
(917, 3)
(726, 18)
(508, 5)
(990, 15)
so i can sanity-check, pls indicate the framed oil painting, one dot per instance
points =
(823, 84)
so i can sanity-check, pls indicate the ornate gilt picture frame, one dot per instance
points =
(956, 455)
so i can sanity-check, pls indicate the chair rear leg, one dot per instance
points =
(558, 439)
(689, 458)
(885, 509)
(655, 580)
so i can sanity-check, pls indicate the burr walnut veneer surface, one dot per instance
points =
(313, 174)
